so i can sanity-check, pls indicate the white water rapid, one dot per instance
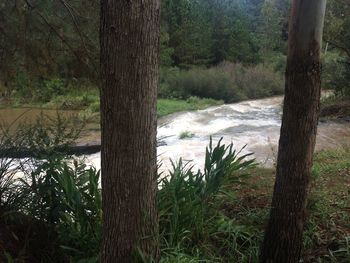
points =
(254, 123)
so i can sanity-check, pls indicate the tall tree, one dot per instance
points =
(337, 25)
(283, 237)
(129, 41)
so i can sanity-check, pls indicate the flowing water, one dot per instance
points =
(254, 123)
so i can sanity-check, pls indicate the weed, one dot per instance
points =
(186, 135)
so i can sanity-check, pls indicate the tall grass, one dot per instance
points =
(229, 82)
(50, 202)
(188, 204)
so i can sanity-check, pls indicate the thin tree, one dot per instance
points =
(283, 237)
(129, 41)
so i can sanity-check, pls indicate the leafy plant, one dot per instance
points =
(186, 135)
(186, 199)
(57, 194)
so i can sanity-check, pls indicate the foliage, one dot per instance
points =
(45, 40)
(337, 38)
(228, 82)
(168, 106)
(336, 74)
(185, 135)
(12, 196)
(208, 32)
(48, 39)
(337, 22)
(56, 198)
(212, 215)
(68, 197)
(187, 200)
(49, 45)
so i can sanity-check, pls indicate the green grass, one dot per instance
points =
(168, 106)
(89, 101)
(326, 235)
(185, 135)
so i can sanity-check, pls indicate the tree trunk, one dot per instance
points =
(129, 39)
(283, 237)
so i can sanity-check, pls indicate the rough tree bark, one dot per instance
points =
(129, 41)
(283, 237)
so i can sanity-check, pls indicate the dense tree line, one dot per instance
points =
(43, 39)
(59, 39)
(337, 36)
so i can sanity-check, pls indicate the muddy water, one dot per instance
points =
(12, 117)
(253, 123)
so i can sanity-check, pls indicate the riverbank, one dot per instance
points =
(327, 229)
(89, 104)
(231, 230)
(335, 108)
(255, 123)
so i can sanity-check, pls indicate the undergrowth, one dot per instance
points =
(50, 208)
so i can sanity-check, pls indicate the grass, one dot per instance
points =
(89, 101)
(185, 135)
(327, 230)
(235, 236)
(168, 106)
(228, 81)
(242, 211)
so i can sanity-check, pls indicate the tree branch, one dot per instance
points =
(339, 46)
(61, 38)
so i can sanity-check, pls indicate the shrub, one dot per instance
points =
(185, 135)
(61, 195)
(336, 73)
(68, 197)
(187, 200)
(256, 81)
(276, 60)
(229, 82)
(45, 90)
(12, 196)
(57, 198)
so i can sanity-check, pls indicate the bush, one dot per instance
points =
(68, 197)
(229, 82)
(255, 82)
(188, 201)
(336, 74)
(54, 207)
(185, 135)
(276, 60)
(39, 90)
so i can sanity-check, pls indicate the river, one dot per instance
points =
(254, 123)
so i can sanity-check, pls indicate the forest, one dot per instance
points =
(226, 50)
(175, 131)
